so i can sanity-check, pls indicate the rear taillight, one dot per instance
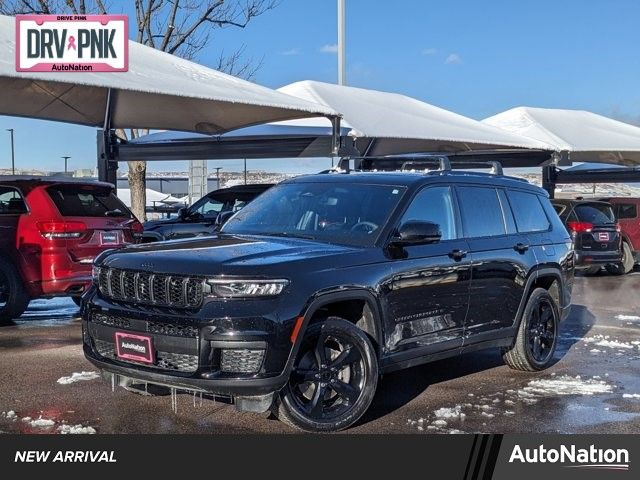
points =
(54, 230)
(578, 227)
(136, 227)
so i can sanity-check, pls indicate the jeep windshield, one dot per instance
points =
(352, 214)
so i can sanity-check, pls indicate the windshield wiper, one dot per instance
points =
(287, 235)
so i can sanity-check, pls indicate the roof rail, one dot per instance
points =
(496, 167)
(394, 162)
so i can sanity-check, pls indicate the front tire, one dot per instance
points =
(537, 335)
(333, 380)
(13, 297)
(627, 263)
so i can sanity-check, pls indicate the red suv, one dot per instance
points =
(626, 210)
(50, 232)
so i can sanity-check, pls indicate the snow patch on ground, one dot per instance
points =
(564, 385)
(10, 415)
(631, 395)
(78, 377)
(76, 430)
(632, 318)
(455, 412)
(39, 422)
(607, 342)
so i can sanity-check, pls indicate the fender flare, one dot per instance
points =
(320, 300)
(528, 288)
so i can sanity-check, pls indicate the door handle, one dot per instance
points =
(457, 254)
(521, 247)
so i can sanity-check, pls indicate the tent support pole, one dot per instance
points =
(335, 135)
(108, 145)
(549, 179)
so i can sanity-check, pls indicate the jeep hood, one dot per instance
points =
(231, 255)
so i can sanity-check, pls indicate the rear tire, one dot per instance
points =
(333, 380)
(627, 263)
(13, 297)
(537, 335)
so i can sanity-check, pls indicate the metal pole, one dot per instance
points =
(13, 153)
(218, 175)
(342, 74)
(66, 157)
(245, 171)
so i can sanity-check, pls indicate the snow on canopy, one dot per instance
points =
(401, 124)
(585, 136)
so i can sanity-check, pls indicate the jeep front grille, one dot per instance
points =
(176, 291)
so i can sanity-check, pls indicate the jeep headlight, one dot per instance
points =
(246, 288)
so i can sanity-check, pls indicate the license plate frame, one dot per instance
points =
(603, 236)
(139, 348)
(109, 238)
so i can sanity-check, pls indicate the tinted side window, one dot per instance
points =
(627, 210)
(434, 204)
(11, 202)
(530, 216)
(481, 212)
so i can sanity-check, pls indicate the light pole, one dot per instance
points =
(245, 171)
(66, 157)
(342, 74)
(13, 153)
(218, 175)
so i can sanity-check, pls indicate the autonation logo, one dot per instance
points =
(573, 457)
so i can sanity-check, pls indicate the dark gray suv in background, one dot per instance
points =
(307, 296)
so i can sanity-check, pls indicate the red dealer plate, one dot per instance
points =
(603, 236)
(137, 348)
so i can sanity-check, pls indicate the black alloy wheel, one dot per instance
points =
(542, 331)
(537, 336)
(333, 380)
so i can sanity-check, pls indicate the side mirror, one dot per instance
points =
(183, 213)
(415, 232)
(222, 218)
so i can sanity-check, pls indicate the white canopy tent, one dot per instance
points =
(583, 136)
(159, 91)
(389, 123)
(154, 198)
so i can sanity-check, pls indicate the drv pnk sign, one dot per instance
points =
(72, 43)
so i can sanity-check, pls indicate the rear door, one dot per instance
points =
(102, 221)
(501, 261)
(627, 215)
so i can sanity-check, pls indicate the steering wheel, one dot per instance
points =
(368, 227)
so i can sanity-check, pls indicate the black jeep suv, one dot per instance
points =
(303, 299)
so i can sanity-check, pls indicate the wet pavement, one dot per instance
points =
(593, 387)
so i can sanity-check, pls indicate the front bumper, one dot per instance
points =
(193, 352)
(586, 258)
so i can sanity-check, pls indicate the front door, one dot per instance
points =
(427, 295)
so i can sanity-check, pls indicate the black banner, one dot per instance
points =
(467, 457)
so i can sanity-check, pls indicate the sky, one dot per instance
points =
(476, 58)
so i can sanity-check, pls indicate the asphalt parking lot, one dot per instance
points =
(46, 385)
